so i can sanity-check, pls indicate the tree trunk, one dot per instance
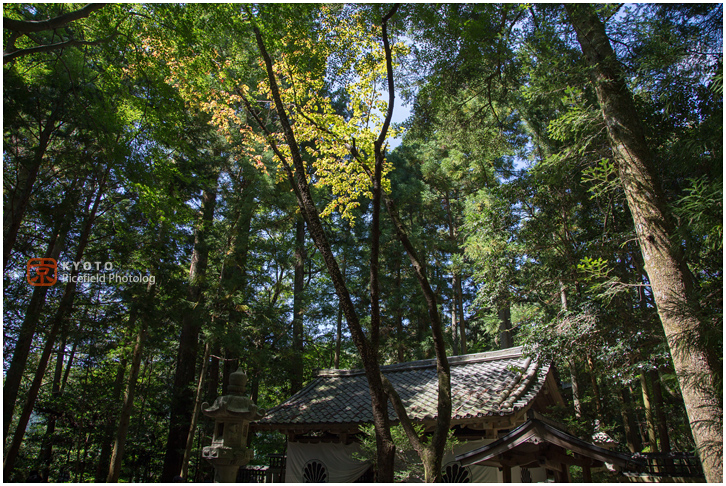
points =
(339, 327)
(213, 381)
(296, 375)
(398, 302)
(338, 338)
(46, 451)
(660, 416)
(505, 326)
(457, 318)
(195, 414)
(632, 437)
(595, 386)
(182, 401)
(576, 401)
(56, 325)
(443, 371)
(233, 278)
(20, 196)
(107, 438)
(670, 279)
(454, 327)
(60, 379)
(124, 420)
(298, 180)
(649, 417)
(462, 321)
(14, 375)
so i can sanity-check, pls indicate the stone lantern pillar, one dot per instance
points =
(232, 415)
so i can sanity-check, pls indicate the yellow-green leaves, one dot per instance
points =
(341, 52)
(339, 145)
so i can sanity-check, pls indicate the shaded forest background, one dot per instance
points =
(147, 136)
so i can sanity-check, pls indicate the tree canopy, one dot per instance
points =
(226, 185)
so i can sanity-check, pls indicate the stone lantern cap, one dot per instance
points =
(235, 406)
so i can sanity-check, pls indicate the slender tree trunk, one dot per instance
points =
(298, 179)
(595, 386)
(457, 318)
(576, 402)
(46, 452)
(338, 338)
(57, 324)
(20, 196)
(670, 279)
(433, 452)
(60, 379)
(632, 436)
(182, 402)
(462, 321)
(443, 421)
(195, 414)
(339, 328)
(213, 381)
(454, 328)
(665, 443)
(124, 421)
(233, 278)
(400, 344)
(296, 375)
(649, 416)
(14, 374)
(505, 326)
(107, 437)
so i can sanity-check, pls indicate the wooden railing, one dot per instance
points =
(274, 473)
(671, 464)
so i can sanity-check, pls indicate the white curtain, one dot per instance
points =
(340, 467)
(337, 460)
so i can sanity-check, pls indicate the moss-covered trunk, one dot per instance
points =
(670, 279)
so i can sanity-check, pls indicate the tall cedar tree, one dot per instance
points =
(672, 283)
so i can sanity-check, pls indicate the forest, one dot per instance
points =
(192, 188)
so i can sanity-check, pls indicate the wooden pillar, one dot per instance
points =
(586, 476)
(564, 473)
(506, 474)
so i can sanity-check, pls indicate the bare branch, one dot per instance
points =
(403, 417)
(389, 73)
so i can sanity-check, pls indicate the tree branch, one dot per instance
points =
(389, 73)
(403, 417)
(29, 26)
(9, 56)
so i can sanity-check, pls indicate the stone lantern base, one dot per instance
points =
(226, 461)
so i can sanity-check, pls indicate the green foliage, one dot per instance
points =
(505, 180)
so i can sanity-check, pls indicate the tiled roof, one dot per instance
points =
(485, 384)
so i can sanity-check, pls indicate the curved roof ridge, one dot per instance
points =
(429, 363)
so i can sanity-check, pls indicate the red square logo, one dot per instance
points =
(42, 272)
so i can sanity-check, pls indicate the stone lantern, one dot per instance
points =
(232, 415)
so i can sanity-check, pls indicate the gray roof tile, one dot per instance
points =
(483, 384)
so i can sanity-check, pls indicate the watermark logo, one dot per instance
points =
(42, 272)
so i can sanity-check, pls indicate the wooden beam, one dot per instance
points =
(555, 455)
